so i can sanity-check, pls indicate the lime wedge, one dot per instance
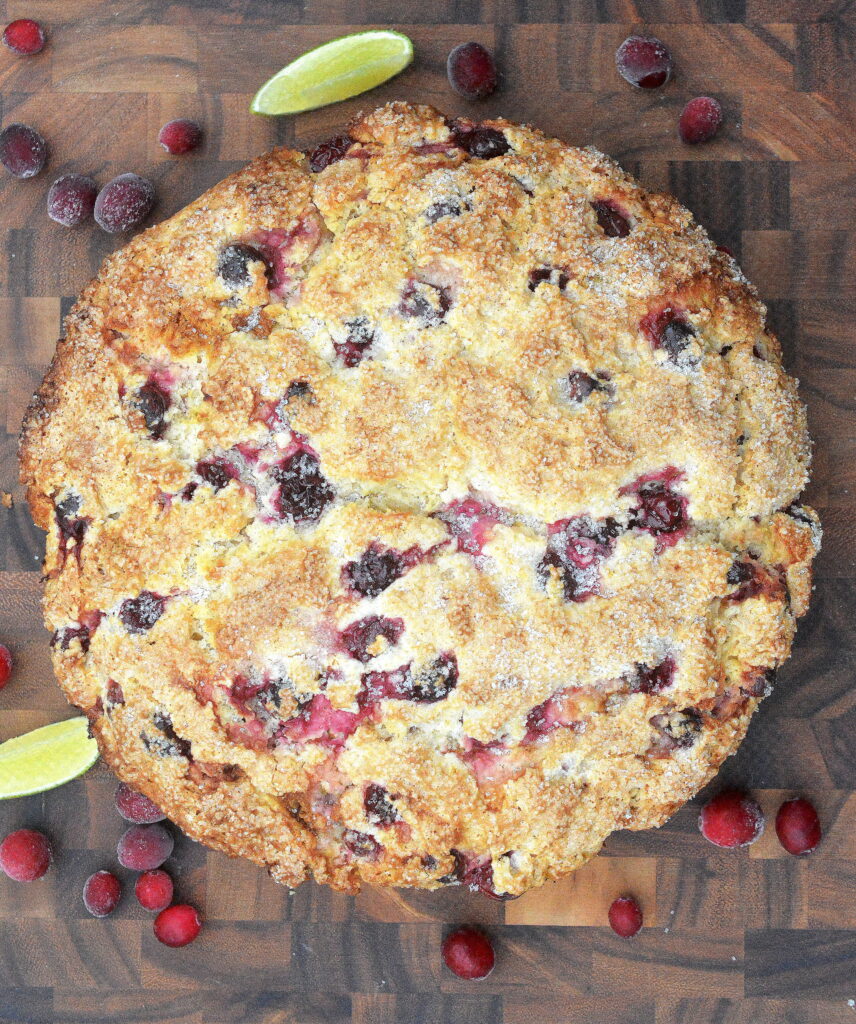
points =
(45, 758)
(334, 71)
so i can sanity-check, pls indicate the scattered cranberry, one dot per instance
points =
(731, 819)
(124, 203)
(154, 890)
(153, 402)
(625, 917)
(101, 893)
(472, 71)
(180, 136)
(700, 120)
(135, 807)
(798, 827)
(480, 141)
(139, 614)
(329, 152)
(233, 265)
(644, 61)
(22, 150)
(25, 855)
(612, 222)
(143, 847)
(304, 492)
(71, 199)
(24, 36)
(468, 953)
(178, 925)
(5, 665)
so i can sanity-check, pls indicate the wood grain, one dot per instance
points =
(753, 936)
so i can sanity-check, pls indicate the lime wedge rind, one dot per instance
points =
(45, 758)
(335, 71)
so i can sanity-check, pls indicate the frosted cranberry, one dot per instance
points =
(468, 953)
(700, 120)
(798, 827)
(625, 917)
(139, 614)
(471, 522)
(304, 493)
(654, 680)
(177, 925)
(452, 207)
(143, 847)
(479, 140)
(612, 222)
(24, 37)
(355, 347)
(216, 472)
(667, 329)
(575, 549)
(437, 681)
(5, 665)
(374, 571)
(25, 855)
(550, 275)
(154, 890)
(378, 805)
(329, 152)
(153, 402)
(472, 71)
(23, 151)
(101, 893)
(426, 302)
(124, 203)
(580, 385)
(731, 819)
(361, 844)
(180, 136)
(660, 510)
(233, 264)
(644, 61)
(359, 639)
(133, 806)
(71, 199)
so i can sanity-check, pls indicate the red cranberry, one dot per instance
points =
(355, 347)
(124, 203)
(472, 71)
(360, 636)
(329, 152)
(374, 571)
(143, 847)
(731, 819)
(625, 917)
(71, 199)
(468, 953)
(154, 890)
(480, 141)
(24, 37)
(575, 549)
(139, 614)
(25, 855)
(304, 492)
(216, 472)
(700, 120)
(798, 826)
(644, 61)
(379, 808)
(23, 151)
(612, 222)
(180, 136)
(101, 893)
(5, 665)
(178, 925)
(437, 681)
(654, 680)
(135, 807)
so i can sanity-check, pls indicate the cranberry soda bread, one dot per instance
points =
(422, 511)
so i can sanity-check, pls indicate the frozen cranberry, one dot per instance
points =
(359, 639)
(472, 71)
(731, 819)
(479, 140)
(374, 571)
(154, 890)
(180, 136)
(329, 152)
(22, 150)
(378, 805)
(101, 893)
(355, 347)
(233, 264)
(133, 806)
(139, 614)
(25, 855)
(143, 847)
(178, 925)
(625, 917)
(124, 203)
(304, 492)
(153, 402)
(5, 665)
(700, 120)
(612, 222)
(798, 826)
(468, 953)
(24, 37)
(71, 199)
(644, 61)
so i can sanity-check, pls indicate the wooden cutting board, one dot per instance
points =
(753, 936)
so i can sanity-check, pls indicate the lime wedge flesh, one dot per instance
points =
(334, 71)
(45, 758)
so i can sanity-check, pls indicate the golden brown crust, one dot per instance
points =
(440, 532)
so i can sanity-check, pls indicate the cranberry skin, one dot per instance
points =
(135, 807)
(25, 855)
(180, 136)
(625, 917)
(124, 203)
(71, 199)
(644, 61)
(154, 890)
(5, 665)
(143, 847)
(798, 827)
(25, 37)
(101, 893)
(178, 925)
(23, 150)
(468, 953)
(700, 120)
(731, 820)
(472, 71)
